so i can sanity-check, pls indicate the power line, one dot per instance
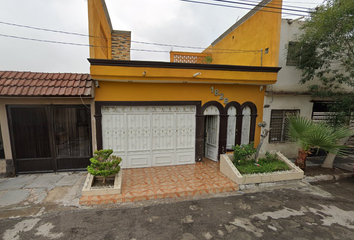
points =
(307, 2)
(221, 5)
(284, 5)
(86, 35)
(133, 49)
(261, 5)
(41, 40)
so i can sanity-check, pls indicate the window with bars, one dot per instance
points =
(291, 55)
(278, 124)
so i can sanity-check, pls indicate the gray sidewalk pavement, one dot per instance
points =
(33, 194)
(27, 194)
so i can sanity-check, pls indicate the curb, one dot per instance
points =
(328, 177)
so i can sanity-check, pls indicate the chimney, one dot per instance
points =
(121, 45)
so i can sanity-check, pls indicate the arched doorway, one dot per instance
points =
(212, 122)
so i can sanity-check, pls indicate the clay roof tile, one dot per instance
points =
(44, 84)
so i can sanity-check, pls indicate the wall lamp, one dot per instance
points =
(197, 74)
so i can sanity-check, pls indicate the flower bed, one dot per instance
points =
(88, 190)
(229, 169)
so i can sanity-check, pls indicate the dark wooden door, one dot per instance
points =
(50, 138)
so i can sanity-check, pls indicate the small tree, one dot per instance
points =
(104, 164)
(324, 52)
(309, 135)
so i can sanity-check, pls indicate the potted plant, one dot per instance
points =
(104, 164)
(311, 135)
(104, 177)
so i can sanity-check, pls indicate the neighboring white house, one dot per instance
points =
(286, 96)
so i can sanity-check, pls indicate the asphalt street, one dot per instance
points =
(319, 211)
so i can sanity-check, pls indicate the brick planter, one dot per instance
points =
(87, 190)
(229, 169)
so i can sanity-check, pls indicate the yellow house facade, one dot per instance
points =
(178, 112)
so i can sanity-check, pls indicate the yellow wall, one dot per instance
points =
(260, 31)
(100, 29)
(112, 91)
(169, 75)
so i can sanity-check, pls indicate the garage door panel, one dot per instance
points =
(138, 131)
(185, 130)
(162, 131)
(114, 134)
(185, 157)
(137, 161)
(163, 159)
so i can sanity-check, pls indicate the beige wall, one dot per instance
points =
(302, 102)
(40, 101)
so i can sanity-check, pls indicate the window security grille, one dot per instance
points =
(278, 125)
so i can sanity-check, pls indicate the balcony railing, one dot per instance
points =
(186, 57)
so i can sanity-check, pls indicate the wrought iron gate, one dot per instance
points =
(50, 138)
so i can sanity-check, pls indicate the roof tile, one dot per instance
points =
(16, 83)
(25, 74)
(75, 91)
(31, 91)
(55, 91)
(68, 91)
(49, 91)
(25, 90)
(81, 91)
(12, 75)
(70, 83)
(6, 74)
(18, 90)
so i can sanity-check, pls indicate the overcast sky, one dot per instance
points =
(156, 21)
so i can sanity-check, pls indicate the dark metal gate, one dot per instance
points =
(50, 138)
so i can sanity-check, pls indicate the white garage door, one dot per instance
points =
(150, 136)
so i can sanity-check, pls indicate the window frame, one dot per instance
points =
(289, 60)
(283, 138)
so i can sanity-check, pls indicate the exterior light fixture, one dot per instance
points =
(197, 74)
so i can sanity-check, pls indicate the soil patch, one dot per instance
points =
(99, 183)
(318, 170)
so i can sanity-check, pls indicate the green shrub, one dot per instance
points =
(243, 153)
(270, 163)
(104, 164)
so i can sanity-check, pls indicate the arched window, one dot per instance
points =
(246, 125)
(231, 127)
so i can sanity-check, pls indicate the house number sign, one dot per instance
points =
(217, 93)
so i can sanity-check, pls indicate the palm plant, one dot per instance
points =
(310, 135)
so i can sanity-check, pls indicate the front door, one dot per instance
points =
(50, 138)
(212, 137)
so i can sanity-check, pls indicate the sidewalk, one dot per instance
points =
(37, 193)
(27, 194)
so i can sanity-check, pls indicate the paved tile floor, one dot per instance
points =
(168, 182)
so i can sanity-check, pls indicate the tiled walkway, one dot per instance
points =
(168, 182)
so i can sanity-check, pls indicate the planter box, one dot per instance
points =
(87, 190)
(229, 169)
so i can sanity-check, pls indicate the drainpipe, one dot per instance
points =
(261, 56)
